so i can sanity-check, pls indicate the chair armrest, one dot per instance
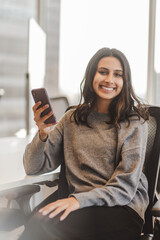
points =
(22, 196)
(12, 218)
(49, 183)
(156, 209)
(17, 192)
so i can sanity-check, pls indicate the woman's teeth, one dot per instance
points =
(107, 88)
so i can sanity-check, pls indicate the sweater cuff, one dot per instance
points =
(87, 199)
(38, 141)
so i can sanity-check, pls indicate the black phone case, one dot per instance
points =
(40, 94)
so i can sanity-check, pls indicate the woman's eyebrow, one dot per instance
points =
(104, 68)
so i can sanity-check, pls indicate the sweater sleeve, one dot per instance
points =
(40, 157)
(123, 184)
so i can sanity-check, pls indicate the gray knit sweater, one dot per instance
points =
(104, 165)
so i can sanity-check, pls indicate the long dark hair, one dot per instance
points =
(122, 106)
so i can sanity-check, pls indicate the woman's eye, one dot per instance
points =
(118, 75)
(102, 72)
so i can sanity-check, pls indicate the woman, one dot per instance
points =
(102, 142)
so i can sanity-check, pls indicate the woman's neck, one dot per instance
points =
(102, 107)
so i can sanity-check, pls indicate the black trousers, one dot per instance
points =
(91, 223)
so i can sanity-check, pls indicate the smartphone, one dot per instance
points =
(40, 94)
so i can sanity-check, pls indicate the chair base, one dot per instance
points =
(147, 237)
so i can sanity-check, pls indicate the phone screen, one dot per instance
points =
(40, 94)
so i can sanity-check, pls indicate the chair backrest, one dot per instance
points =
(59, 104)
(152, 162)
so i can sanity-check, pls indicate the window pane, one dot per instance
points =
(14, 17)
(88, 25)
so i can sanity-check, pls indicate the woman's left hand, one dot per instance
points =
(66, 205)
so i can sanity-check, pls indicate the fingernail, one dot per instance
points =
(61, 218)
(44, 213)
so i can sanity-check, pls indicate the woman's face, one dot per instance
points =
(108, 80)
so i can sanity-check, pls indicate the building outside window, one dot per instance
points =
(14, 19)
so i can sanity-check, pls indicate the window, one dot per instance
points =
(88, 25)
(14, 17)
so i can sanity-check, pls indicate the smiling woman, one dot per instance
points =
(102, 143)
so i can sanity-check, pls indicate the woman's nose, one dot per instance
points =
(109, 78)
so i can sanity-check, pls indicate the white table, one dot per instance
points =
(12, 172)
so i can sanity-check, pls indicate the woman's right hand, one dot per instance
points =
(44, 128)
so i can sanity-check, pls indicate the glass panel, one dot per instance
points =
(88, 25)
(14, 17)
(52, 18)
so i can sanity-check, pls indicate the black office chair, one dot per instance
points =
(151, 229)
